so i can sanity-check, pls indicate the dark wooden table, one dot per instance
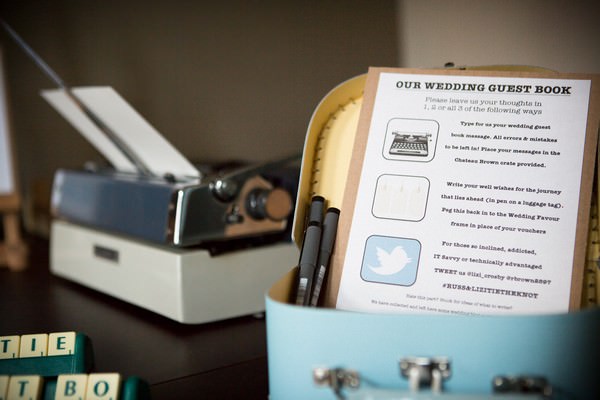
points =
(222, 360)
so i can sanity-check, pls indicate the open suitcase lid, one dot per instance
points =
(329, 142)
(328, 148)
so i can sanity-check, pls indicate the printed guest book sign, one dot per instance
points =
(468, 193)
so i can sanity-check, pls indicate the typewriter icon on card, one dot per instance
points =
(409, 144)
(408, 139)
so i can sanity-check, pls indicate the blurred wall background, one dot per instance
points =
(557, 34)
(240, 79)
(220, 80)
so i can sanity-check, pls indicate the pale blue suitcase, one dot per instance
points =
(564, 349)
(319, 353)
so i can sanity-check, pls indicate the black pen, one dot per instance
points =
(327, 240)
(308, 262)
(314, 216)
(315, 213)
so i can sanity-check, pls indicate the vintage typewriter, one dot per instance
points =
(198, 239)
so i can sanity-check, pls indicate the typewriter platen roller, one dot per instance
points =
(426, 377)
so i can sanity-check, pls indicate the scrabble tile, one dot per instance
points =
(9, 346)
(61, 343)
(103, 386)
(33, 345)
(71, 387)
(3, 386)
(25, 387)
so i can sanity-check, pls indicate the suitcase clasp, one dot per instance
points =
(430, 371)
(522, 384)
(336, 379)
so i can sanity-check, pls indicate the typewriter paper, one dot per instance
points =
(469, 195)
(149, 145)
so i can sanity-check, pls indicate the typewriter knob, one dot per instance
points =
(224, 189)
(274, 204)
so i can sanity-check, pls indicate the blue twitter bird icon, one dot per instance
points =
(391, 260)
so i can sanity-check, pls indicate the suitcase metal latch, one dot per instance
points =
(524, 384)
(336, 379)
(425, 371)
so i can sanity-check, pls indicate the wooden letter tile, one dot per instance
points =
(61, 343)
(9, 347)
(26, 387)
(71, 387)
(103, 386)
(34, 345)
(3, 386)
